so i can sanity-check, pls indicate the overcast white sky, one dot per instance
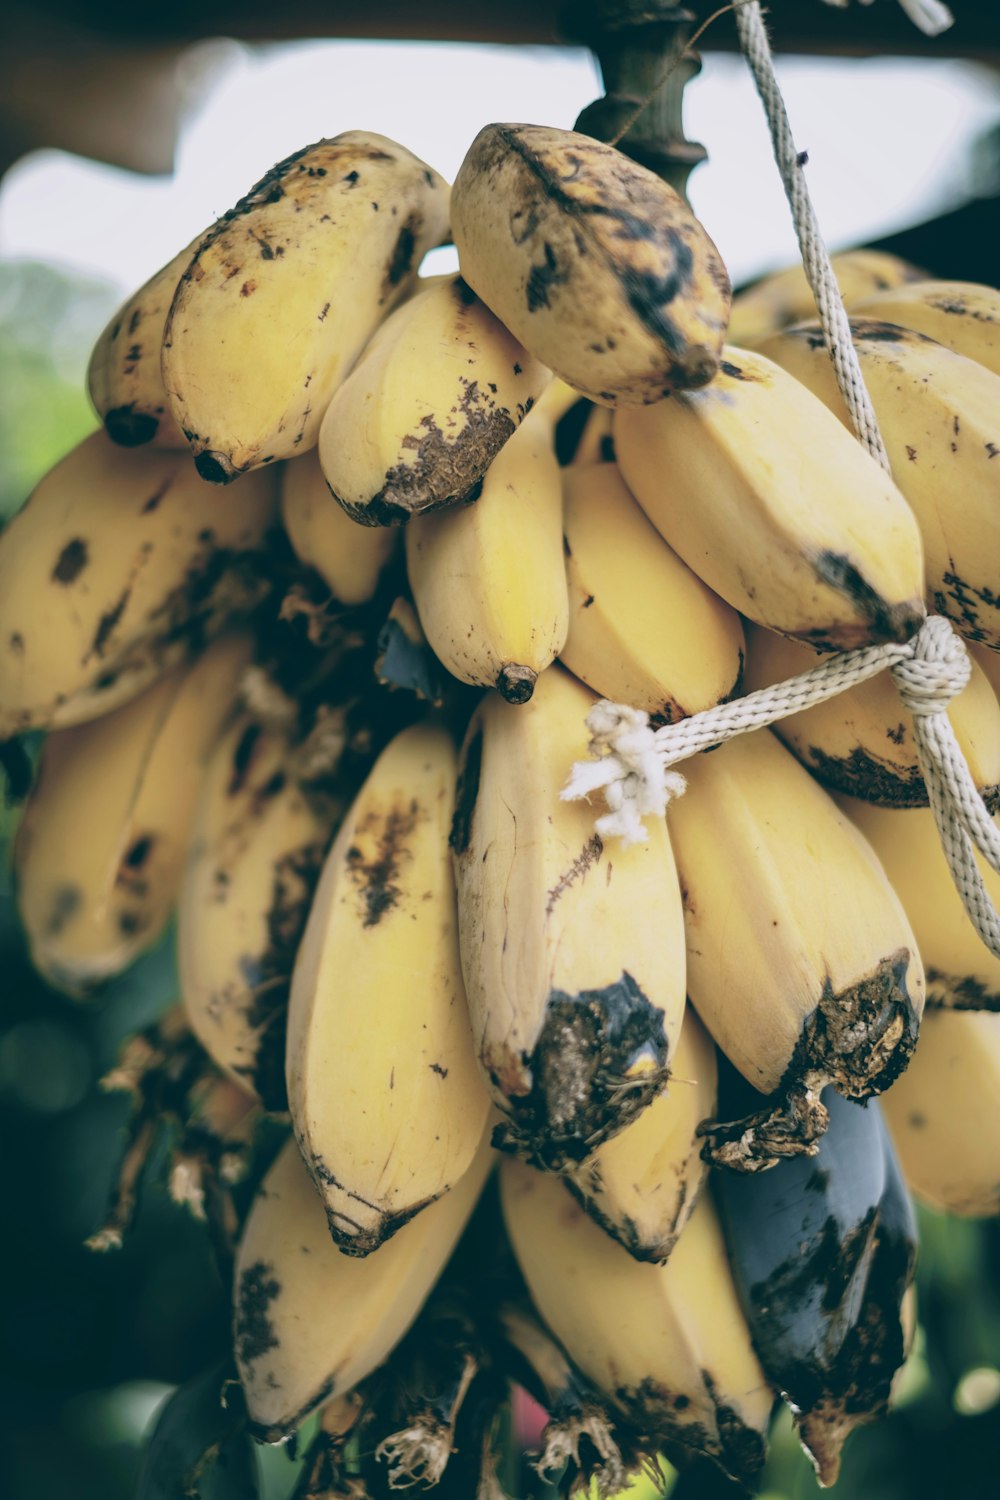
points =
(886, 140)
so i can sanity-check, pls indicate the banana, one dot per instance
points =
(592, 261)
(801, 962)
(944, 1114)
(100, 848)
(643, 629)
(123, 377)
(385, 1093)
(642, 1185)
(776, 507)
(962, 315)
(939, 414)
(311, 1323)
(256, 846)
(119, 566)
(350, 559)
(861, 741)
(284, 292)
(488, 579)
(427, 408)
(962, 973)
(572, 953)
(823, 1252)
(989, 661)
(784, 297)
(668, 1345)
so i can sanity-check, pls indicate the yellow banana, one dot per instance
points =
(962, 973)
(488, 579)
(257, 842)
(801, 961)
(643, 629)
(310, 1322)
(384, 1089)
(123, 376)
(784, 297)
(349, 558)
(597, 265)
(962, 315)
(776, 507)
(939, 414)
(642, 1185)
(427, 408)
(861, 741)
(119, 565)
(573, 953)
(101, 845)
(944, 1114)
(286, 289)
(989, 661)
(669, 1345)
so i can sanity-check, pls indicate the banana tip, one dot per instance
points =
(516, 683)
(215, 468)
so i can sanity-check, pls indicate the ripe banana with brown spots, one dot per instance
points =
(939, 415)
(436, 394)
(119, 566)
(101, 846)
(785, 297)
(776, 507)
(642, 1185)
(962, 973)
(385, 1093)
(572, 951)
(124, 377)
(801, 961)
(488, 579)
(256, 846)
(594, 262)
(643, 628)
(350, 559)
(944, 1114)
(286, 289)
(861, 741)
(310, 1323)
(962, 315)
(668, 1345)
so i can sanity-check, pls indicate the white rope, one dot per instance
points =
(632, 760)
(929, 15)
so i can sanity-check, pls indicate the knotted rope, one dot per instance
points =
(632, 760)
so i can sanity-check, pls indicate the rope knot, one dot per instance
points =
(936, 671)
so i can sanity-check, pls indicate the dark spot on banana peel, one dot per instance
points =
(466, 792)
(133, 922)
(106, 624)
(242, 758)
(375, 879)
(589, 855)
(656, 1411)
(516, 683)
(401, 259)
(442, 472)
(885, 621)
(580, 1092)
(861, 774)
(958, 992)
(542, 277)
(257, 1290)
(962, 602)
(130, 428)
(71, 561)
(736, 372)
(65, 902)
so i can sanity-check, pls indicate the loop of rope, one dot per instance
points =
(631, 759)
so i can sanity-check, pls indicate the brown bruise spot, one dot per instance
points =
(106, 624)
(71, 561)
(466, 792)
(64, 904)
(376, 879)
(243, 758)
(248, 288)
(575, 1090)
(959, 992)
(862, 774)
(880, 621)
(589, 855)
(255, 1336)
(15, 643)
(964, 604)
(154, 500)
(401, 259)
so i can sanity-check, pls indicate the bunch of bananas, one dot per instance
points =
(256, 686)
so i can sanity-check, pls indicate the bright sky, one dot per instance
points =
(887, 143)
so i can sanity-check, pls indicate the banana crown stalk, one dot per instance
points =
(778, 508)
(593, 261)
(101, 846)
(310, 1323)
(384, 1089)
(572, 952)
(120, 565)
(426, 410)
(284, 292)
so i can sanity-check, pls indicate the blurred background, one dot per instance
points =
(122, 137)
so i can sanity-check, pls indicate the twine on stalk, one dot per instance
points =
(631, 760)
